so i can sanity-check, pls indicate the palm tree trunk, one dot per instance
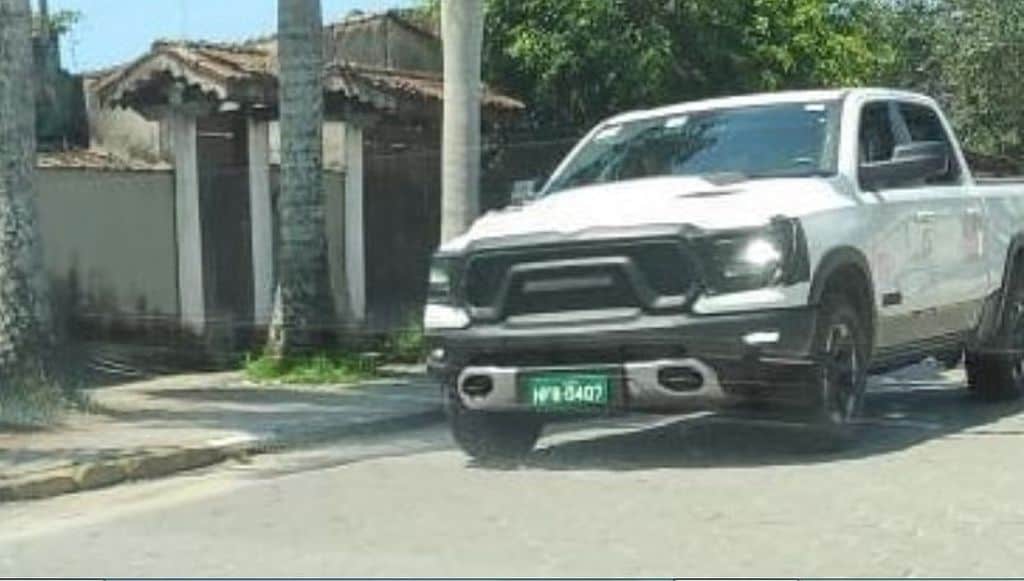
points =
(303, 315)
(462, 23)
(26, 333)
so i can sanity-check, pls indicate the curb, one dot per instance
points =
(160, 462)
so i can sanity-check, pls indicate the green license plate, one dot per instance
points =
(561, 390)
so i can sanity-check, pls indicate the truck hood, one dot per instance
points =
(657, 201)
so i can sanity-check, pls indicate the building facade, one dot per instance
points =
(209, 112)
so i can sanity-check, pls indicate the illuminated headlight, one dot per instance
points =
(762, 253)
(758, 258)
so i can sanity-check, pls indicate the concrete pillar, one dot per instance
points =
(261, 217)
(191, 296)
(355, 236)
(462, 24)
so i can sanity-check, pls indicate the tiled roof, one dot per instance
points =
(210, 66)
(95, 160)
(248, 73)
(359, 82)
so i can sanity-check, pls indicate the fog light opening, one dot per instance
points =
(680, 379)
(477, 385)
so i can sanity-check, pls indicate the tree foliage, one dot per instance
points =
(60, 22)
(576, 61)
(967, 54)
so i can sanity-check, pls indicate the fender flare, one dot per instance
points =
(842, 257)
(1016, 246)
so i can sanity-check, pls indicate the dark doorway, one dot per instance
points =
(224, 199)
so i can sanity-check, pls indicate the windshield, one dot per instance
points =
(787, 140)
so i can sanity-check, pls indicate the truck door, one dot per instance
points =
(900, 243)
(949, 222)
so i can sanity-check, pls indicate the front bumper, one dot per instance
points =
(759, 356)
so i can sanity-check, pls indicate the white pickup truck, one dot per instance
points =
(766, 249)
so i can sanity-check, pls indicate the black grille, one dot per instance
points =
(570, 289)
(580, 277)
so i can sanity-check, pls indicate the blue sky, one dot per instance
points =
(114, 31)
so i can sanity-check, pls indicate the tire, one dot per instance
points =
(841, 346)
(489, 436)
(995, 372)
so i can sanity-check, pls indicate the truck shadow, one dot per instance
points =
(899, 414)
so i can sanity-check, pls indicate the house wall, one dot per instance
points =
(403, 218)
(109, 244)
(124, 131)
(127, 133)
(334, 205)
(385, 43)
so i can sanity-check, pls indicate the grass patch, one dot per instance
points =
(406, 345)
(316, 369)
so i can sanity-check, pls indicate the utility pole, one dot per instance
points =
(462, 24)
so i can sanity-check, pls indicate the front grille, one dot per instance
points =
(572, 277)
(569, 289)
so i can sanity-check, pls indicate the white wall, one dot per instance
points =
(109, 237)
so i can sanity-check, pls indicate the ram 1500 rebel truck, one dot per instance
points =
(766, 249)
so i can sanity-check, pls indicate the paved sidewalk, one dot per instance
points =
(161, 426)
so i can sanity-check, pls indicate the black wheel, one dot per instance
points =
(996, 371)
(491, 435)
(841, 346)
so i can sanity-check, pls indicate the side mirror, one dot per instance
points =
(911, 162)
(524, 191)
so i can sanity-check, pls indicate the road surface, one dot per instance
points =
(935, 487)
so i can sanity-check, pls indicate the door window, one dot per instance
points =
(876, 135)
(923, 124)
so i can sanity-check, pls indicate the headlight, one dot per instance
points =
(441, 285)
(444, 317)
(757, 258)
(442, 312)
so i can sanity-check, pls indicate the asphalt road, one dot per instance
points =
(935, 487)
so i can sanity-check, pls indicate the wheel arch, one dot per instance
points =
(990, 321)
(1014, 253)
(842, 264)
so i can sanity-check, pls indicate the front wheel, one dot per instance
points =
(841, 347)
(491, 435)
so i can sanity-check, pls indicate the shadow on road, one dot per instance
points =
(898, 415)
